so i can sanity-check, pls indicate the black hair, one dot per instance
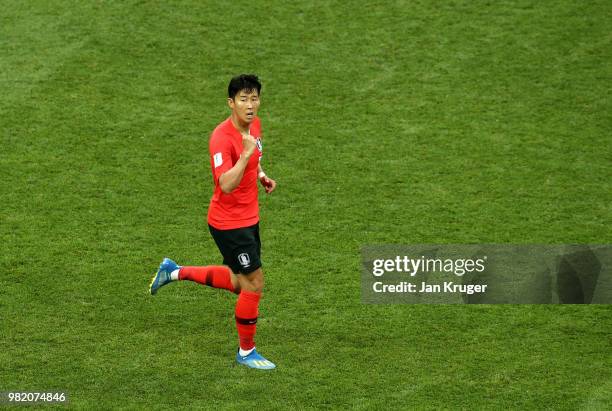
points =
(246, 82)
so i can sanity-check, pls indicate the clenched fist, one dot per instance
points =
(248, 144)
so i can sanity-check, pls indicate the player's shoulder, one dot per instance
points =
(221, 129)
(220, 133)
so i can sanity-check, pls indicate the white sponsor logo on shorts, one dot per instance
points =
(244, 260)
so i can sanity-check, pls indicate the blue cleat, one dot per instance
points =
(254, 360)
(163, 275)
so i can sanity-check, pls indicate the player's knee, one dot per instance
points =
(252, 286)
(258, 285)
(253, 282)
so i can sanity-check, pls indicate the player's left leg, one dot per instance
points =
(247, 308)
(247, 312)
(253, 282)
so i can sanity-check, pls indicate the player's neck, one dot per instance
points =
(242, 128)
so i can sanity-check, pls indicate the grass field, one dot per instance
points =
(384, 122)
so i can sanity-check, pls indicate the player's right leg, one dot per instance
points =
(216, 276)
(163, 275)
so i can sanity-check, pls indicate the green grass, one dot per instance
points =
(384, 122)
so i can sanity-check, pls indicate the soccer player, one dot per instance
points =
(233, 216)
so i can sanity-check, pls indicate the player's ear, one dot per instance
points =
(230, 103)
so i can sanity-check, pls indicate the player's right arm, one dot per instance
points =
(230, 179)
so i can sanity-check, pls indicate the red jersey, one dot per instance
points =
(240, 208)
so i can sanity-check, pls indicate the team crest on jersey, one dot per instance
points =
(244, 260)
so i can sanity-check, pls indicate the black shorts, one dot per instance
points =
(240, 248)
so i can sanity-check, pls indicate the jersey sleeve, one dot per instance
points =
(220, 156)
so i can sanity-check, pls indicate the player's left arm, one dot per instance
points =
(267, 183)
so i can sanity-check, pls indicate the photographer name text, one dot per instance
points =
(423, 287)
